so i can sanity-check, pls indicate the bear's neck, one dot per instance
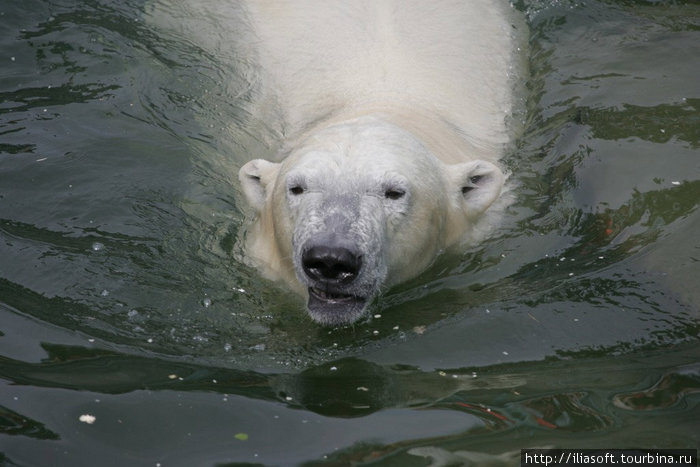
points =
(446, 140)
(263, 252)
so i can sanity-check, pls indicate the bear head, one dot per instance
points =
(357, 207)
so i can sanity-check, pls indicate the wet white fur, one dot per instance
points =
(362, 91)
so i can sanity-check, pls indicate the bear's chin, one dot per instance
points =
(333, 309)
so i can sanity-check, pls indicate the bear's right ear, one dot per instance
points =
(255, 177)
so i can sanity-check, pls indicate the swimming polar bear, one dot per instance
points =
(395, 114)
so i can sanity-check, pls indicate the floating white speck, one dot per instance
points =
(375, 332)
(675, 183)
(377, 316)
(362, 388)
(42, 159)
(97, 246)
(505, 353)
(104, 293)
(334, 368)
(206, 302)
(87, 418)
(227, 347)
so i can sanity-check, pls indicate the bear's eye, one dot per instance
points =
(296, 190)
(394, 194)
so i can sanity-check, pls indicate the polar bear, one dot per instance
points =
(395, 114)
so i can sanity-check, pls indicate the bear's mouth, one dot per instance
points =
(331, 297)
(334, 307)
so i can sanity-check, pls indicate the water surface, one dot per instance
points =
(122, 294)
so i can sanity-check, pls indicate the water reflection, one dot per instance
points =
(667, 392)
(15, 424)
(352, 387)
(567, 412)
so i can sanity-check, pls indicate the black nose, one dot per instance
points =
(331, 264)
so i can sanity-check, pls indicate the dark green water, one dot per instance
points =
(121, 295)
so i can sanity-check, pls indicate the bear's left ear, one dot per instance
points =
(479, 183)
(255, 177)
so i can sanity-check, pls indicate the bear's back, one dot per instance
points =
(453, 60)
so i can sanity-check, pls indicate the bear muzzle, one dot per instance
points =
(331, 271)
(331, 264)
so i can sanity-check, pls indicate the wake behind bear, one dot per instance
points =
(395, 115)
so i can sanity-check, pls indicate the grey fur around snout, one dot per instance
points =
(348, 222)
